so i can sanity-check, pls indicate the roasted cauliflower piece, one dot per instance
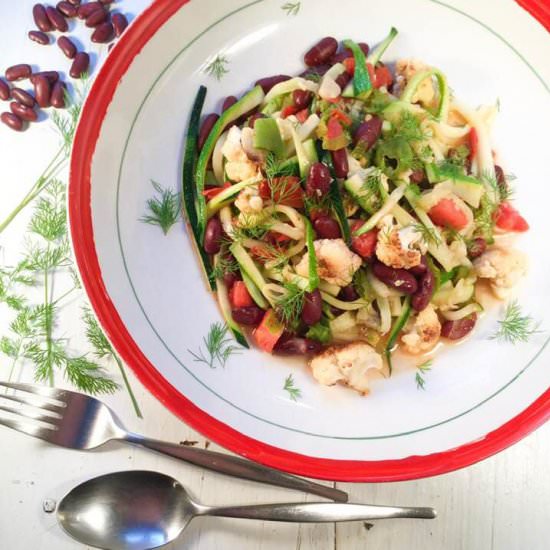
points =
(248, 201)
(336, 263)
(348, 364)
(397, 247)
(422, 331)
(405, 69)
(238, 166)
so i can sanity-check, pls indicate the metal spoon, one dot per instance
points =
(141, 510)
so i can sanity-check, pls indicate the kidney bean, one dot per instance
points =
(105, 2)
(12, 121)
(42, 91)
(250, 315)
(421, 268)
(340, 162)
(103, 33)
(340, 56)
(501, 178)
(418, 176)
(213, 236)
(230, 278)
(269, 81)
(57, 98)
(318, 180)
(18, 72)
(96, 17)
(56, 19)
(66, 45)
(39, 37)
(228, 102)
(318, 71)
(399, 279)
(313, 307)
(343, 79)
(368, 132)
(80, 64)
(252, 120)
(348, 294)
(321, 52)
(421, 298)
(86, 9)
(67, 9)
(455, 330)
(74, 2)
(23, 97)
(326, 227)
(4, 90)
(119, 22)
(51, 76)
(477, 247)
(206, 127)
(41, 18)
(294, 345)
(301, 98)
(23, 112)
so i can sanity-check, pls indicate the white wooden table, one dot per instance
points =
(502, 503)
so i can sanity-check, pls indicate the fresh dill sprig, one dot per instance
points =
(293, 392)
(289, 306)
(217, 67)
(219, 347)
(515, 326)
(291, 8)
(429, 234)
(408, 127)
(421, 371)
(225, 264)
(164, 209)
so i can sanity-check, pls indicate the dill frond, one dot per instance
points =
(515, 326)
(219, 347)
(421, 371)
(164, 209)
(293, 392)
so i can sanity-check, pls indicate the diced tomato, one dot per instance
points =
(333, 99)
(382, 77)
(287, 191)
(509, 219)
(302, 115)
(474, 144)
(239, 295)
(349, 64)
(277, 238)
(289, 110)
(340, 115)
(211, 192)
(334, 129)
(268, 331)
(447, 214)
(365, 244)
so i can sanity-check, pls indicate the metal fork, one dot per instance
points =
(77, 421)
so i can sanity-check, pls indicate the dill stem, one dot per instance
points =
(127, 384)
(48, 328)
(63, 296)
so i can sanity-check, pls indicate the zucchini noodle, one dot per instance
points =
(462, 312)
(344, 306)
(385, 315)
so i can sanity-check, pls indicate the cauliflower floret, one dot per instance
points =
(394, 248)
(247, 142)
(348, 364)
(336, 263)
(238, 166)
(503, 267)
(249, 201)
(405, 69)
(422, 331)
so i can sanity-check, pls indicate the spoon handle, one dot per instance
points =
(318, 512)
(238, 467)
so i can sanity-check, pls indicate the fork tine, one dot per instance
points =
(34, 401)
(28, 428)
(33, 414)
(43, 391)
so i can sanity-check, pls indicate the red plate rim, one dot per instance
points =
(80, 216)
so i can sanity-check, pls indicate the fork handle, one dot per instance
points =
(237, 467)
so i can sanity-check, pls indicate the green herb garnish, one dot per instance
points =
(219, 348)
(421, 371)
(164, 209)
(515, 327)
(293, 392)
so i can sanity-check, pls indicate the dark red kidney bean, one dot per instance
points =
(269, 81)
(42, 91)
(318, 180)
(317, 72)
(340, 56)
(23, 97)
(400, 279)
(501, 178)
(39, 37)
(51, 76)
(4, 90)
(477, 247)
(228, 102)
(231, 278)
(250, 315)
(321, 52)
(301, 98)
(18, 72)
(455, 330)
(340, 162)
(67, 46)
(86, 9)
(213, 236)
(206, 127)
(419, 269)
(105, 2)
(343, 79)
(23, 112)
(80, 64)
(368, 132)
(103, 33)
(74, 2)
(418, 176)
(57, 98)
(364, 47)
(96, 17)
(348, 294)
(326, 227)
(421, 298)
(41, 18)
(252, 120)
(313, 307)
(67, 9)
(12, 121)
(294, 345)
(119, 22)
(56, 19)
